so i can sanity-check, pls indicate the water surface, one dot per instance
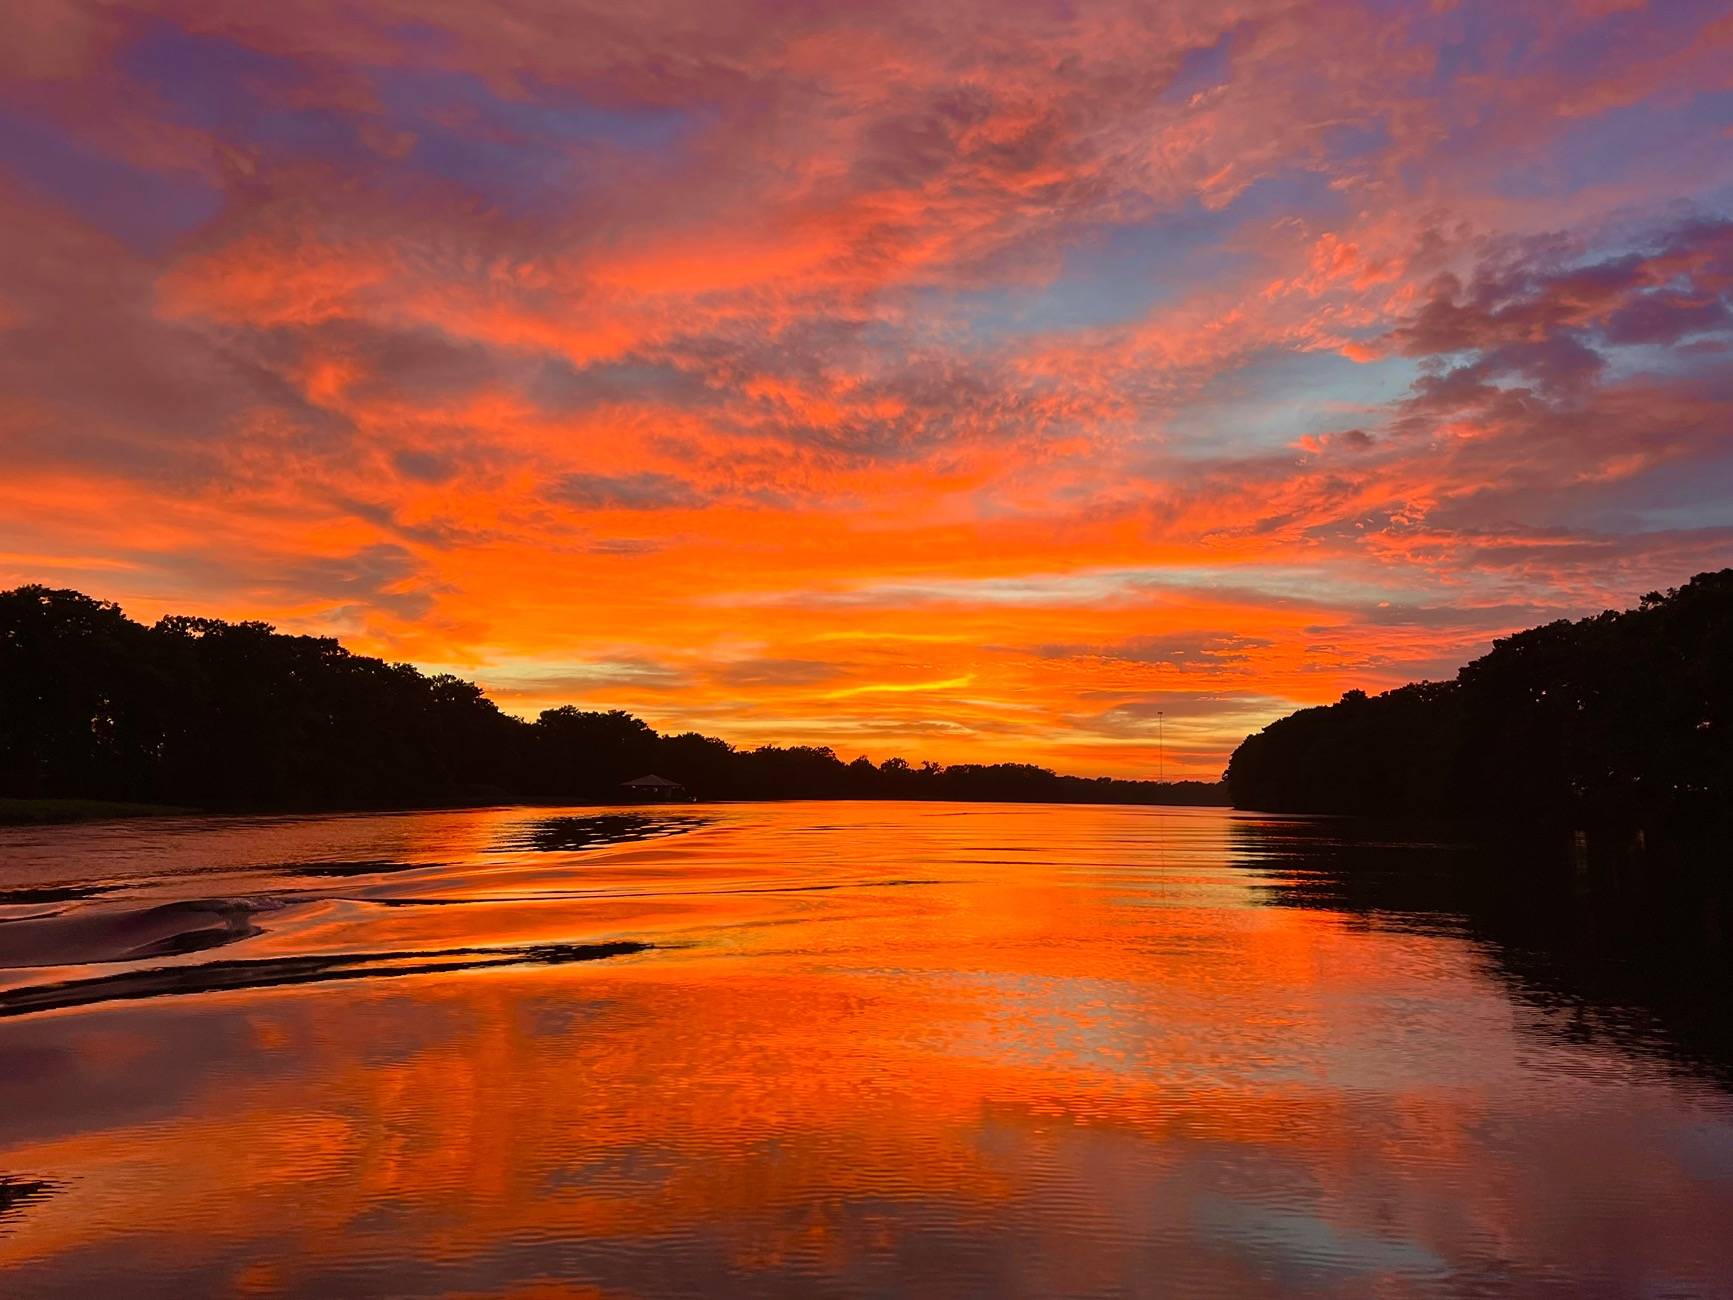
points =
(831, 1050)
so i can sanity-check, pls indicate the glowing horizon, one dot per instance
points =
(969, 384)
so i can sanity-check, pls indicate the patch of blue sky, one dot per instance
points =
(1712, 200)
(1686, 494)
(1504, 41)
(512, 151)
(1686, 516)
(1200, 69)
(527, 674)
(1592, 149)
(244, 95)
(1639, 231)
(1707, 354)
(1267, 582)
(1278, 397)
(1305, 583)
(1674, 24)
(415, 39)
(1476, 41)
(1346, 142)
(1116, 279)
(205, 81)
(516, 153)
(1114, 275)
(230, 89)
(540, 114)
(145, 209)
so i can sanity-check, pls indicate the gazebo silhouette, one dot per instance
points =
(652, 788)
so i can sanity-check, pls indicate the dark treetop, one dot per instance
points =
(197, 711)
(1623, 719)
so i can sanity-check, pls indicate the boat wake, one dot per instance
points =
(106, 933)
(211, 977)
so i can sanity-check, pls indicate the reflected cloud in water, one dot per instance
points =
(1075, 1051)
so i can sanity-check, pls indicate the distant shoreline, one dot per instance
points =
(71, 812)
(199, 712)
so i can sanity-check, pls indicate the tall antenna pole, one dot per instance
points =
(1160, 746)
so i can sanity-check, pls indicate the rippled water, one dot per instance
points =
(818, 1050)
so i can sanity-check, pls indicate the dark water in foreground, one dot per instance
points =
(814, 1050)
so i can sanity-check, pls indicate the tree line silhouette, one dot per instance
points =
(1621, 719)
(206, 713)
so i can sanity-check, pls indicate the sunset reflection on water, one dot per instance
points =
(924, 1050)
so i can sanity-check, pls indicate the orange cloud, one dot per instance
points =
(972, 384)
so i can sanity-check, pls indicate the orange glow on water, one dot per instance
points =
(872, 1045)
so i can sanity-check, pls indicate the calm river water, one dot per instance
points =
(814, 1050)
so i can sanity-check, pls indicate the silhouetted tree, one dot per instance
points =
(1625, 717)
(204, 712)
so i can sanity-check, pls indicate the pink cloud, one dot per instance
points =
(448, 319)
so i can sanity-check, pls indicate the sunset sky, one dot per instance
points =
(967, 381)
